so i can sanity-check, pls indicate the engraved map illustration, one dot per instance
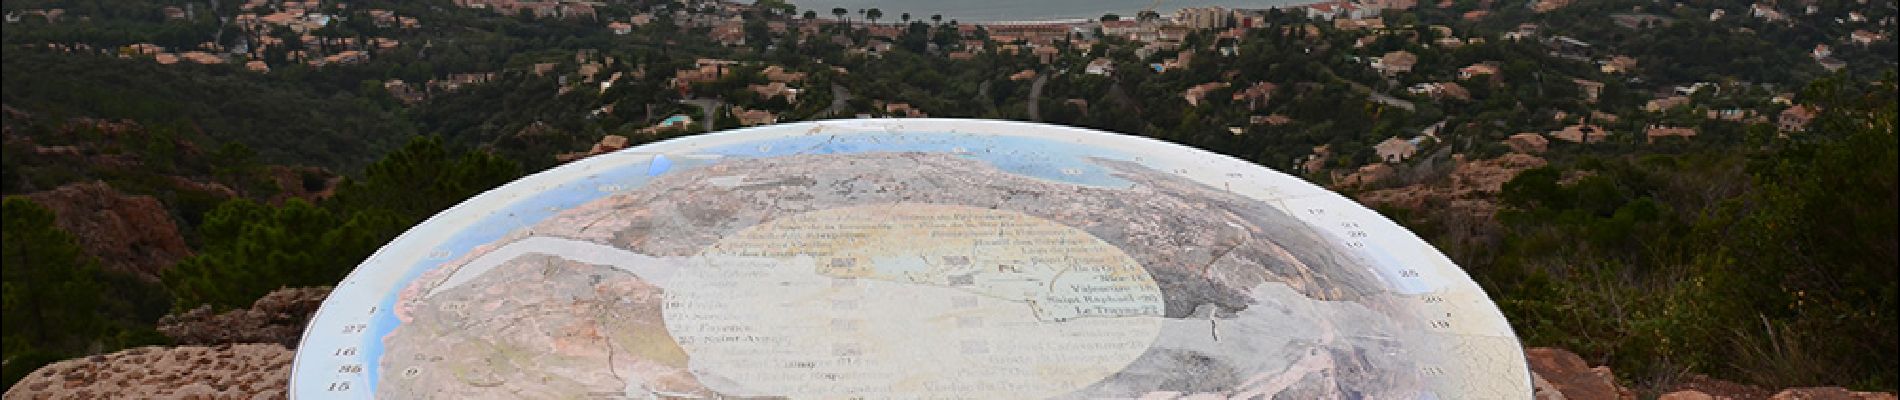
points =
(909, 258)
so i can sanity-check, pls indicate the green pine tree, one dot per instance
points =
(58, 302)
(250, 248)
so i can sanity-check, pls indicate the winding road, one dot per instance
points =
(840, 98)
(1035, 97)
(710, 107)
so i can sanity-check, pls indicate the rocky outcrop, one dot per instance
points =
(1470, 188)
(1367, 175)
(1528, 143)
(278, 317)
(214, 189)
(1558, 374)
(240, 371)
(240, 354)
(125, 232)
(1685, 395)
(1695, 385)
(1829, 393)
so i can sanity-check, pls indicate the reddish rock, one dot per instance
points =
(1317, 161)
(1470, 188)
(1542, 389)
(1489, 176)
(212, 188)
(278, 317)
(1721, 389)
(1829, 393)
(255, 371)
(1529, 143)
(1368, 175)
(1685, 395)
(127, 233)
(1570, 375)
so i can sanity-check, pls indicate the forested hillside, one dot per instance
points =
(1753, 261)
(284, 122)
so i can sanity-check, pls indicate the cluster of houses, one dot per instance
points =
(568, 9)
(272, 24)
(264, 25)
(1792, 119)
(589, 71)
(261, 21)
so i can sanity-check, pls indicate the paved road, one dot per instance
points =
(1035, 97)
(1382, 98)
(839, 97)
(709, 106)
(983, 94)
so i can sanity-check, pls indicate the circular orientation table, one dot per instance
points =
(909, 258)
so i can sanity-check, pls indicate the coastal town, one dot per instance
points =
(270, 34)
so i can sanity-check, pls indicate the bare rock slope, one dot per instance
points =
(278, 317)
(126, 232)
